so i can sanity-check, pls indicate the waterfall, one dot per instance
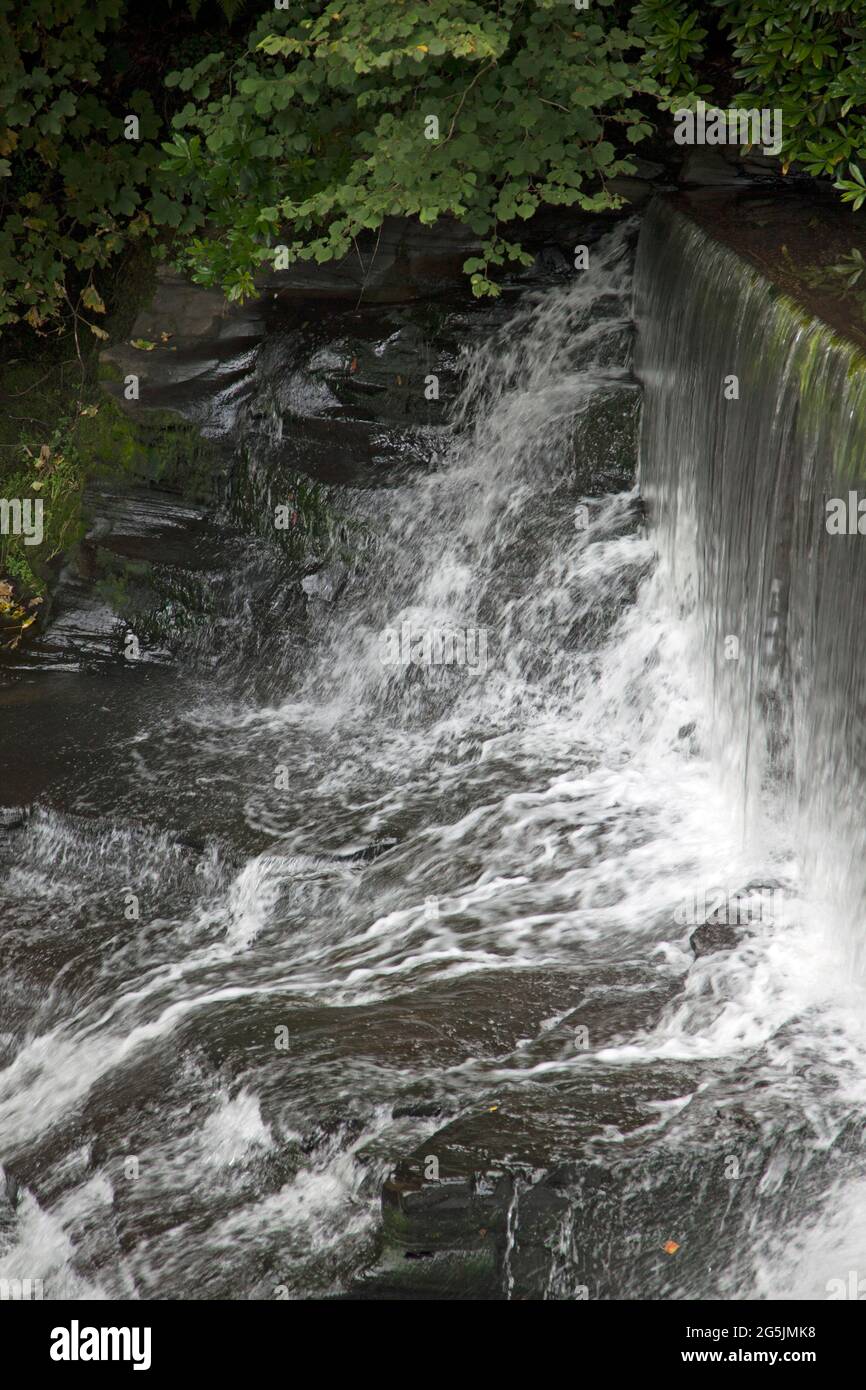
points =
(388, 872)
(737, 477)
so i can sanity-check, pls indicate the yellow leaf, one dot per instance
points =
(98, 332)
(91, 299)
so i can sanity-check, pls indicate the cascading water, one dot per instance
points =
(403, 907)
(739, 489)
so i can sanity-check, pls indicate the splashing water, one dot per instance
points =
(463, 891)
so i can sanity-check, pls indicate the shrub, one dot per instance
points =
(806, 57)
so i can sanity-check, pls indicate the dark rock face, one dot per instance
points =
(405, 261)
(361, 396)
(708, 166)
(202, 351)
(358, 392)
(452, 1224)
(714, 936)
(606, 440)
(147, 565)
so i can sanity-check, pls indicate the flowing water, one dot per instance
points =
(293, 909)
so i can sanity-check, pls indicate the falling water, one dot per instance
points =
(738, 489)
(396, 910)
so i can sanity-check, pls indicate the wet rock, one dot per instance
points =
(551, 261)
(459, 1226)
(418, 1110)
(634, 191)
(369, 852)
(708, 166)
(354, 396)
(406, 261)
(402, 261)
(648, 168)
(326, 583)
(10, 1189)
(714, 936)
(605, 439)
(538, 1213)
(385, 361)
(144, 565)
(493, 1206)
(202, 350)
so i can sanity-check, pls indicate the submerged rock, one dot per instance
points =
(327, 583)
(605, 439)
(714, 936)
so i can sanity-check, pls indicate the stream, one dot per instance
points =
(353, 944)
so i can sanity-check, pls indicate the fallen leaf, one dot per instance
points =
(670, 1247)
(142, 344)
